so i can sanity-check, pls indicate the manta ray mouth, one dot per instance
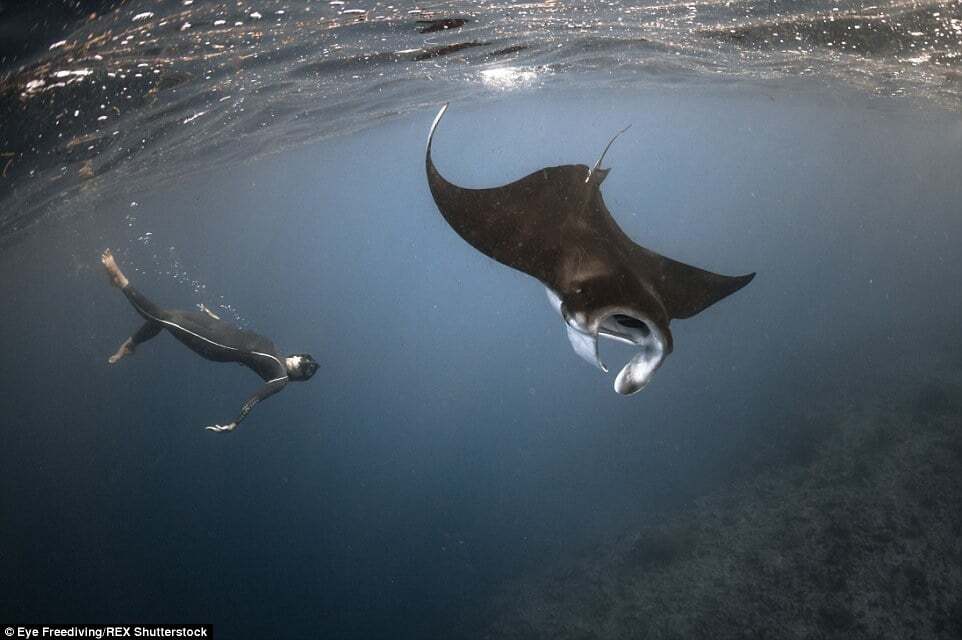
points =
(622, 320)
(623, 326)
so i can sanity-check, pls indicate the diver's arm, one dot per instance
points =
(266, 391)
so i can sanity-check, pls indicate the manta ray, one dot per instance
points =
(554, 226)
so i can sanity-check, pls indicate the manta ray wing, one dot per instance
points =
(519, 224)
(684, 290)
(687, 291)
(525, 224)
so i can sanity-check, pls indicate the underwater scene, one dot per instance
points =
(555, 320)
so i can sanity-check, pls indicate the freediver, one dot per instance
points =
(212, 338)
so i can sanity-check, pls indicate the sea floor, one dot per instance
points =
(857, 534)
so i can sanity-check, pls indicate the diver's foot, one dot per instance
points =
(117, 277)
(220, 428)
(125, 349)
(203, 307)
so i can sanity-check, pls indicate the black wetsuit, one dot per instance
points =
(215, 340)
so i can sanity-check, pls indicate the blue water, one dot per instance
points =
(451, 443)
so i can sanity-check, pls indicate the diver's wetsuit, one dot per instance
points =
(215, 340)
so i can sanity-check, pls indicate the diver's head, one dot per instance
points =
(300, 366)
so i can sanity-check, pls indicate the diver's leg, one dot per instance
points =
(125, 349)
(144, 306)
(117, 277)
(145, 333)
(150, 311)
(153, 314)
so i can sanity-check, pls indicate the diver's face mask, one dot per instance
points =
(304, 368)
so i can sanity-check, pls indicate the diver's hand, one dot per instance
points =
(222, 427)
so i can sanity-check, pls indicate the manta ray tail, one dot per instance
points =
(687, 290)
